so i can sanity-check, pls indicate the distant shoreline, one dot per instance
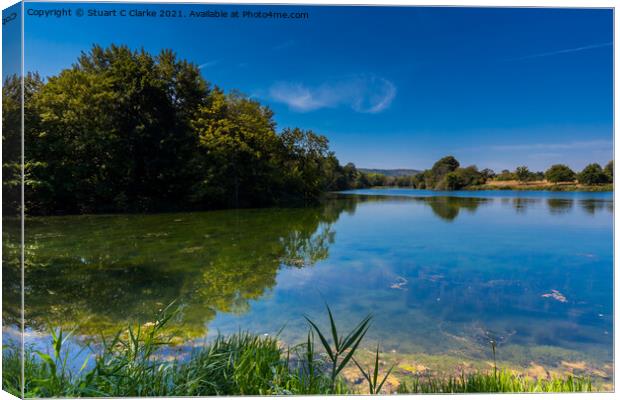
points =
(543, 185)
(524, 186)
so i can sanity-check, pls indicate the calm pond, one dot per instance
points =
(442, 273)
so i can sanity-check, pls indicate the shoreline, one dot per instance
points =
(408, 369)
(411, 366)
(543, 186)
(608, 188)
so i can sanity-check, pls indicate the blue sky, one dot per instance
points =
(11, 41)
(391, 87)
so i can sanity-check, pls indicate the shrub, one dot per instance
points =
(593, 175)
(559, 173)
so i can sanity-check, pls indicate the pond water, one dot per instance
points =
(442, 273)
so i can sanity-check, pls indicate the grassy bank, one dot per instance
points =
(542, 185)
(130, 364)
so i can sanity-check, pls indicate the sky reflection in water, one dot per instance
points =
(440, 274)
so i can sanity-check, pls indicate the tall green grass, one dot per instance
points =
(131, 364)
(498, 381)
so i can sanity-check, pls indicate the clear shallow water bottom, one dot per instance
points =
(440, 274)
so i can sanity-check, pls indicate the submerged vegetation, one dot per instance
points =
(131, 363)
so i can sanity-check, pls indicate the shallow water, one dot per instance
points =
(441, 274)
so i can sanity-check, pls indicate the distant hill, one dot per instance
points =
(390, 172)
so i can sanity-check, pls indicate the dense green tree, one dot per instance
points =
(488, 173)
(11, 145)
(124, 130)
(559, 173)
(462, 177)
(311, 168)
(523, 173)
(12, 137)
(405, 181)
(471, 176)
(344, 176)
(439, 170)
(421, 179)
(609, 170)
(592, 174)
(452, 181)
(239, 148)
(445, 165)
(506, 175)
(112, 130)
(446, 175)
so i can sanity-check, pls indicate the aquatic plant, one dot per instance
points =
(498, 381)
(342, 346)
(131, 363)
(374, 387)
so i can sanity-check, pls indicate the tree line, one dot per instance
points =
(127, 131)
(447, 174)
(124, 130)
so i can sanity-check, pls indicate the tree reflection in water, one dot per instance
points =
(102, 272)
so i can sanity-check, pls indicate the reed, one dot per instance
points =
(130, 365)
(495, 382)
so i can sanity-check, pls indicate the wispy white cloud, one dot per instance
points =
(364, 94)
(563, 51)
(550, 147)
(208, 64)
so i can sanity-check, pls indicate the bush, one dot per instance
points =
(523, 174)
(593, 175)
(559, 173)
(506, 175)
(609, 171)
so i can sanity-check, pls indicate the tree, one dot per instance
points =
(434, 176)
(522, 173)
(488, 173)
(471, 176)
(462, 177)
(240, 149)
(124, 130)
(592, 174)
(309, 166)
(559, 173)
(349, 175)
(506, 175)
(609, 170)
(114, 133)
(452, 181)
(445, 165)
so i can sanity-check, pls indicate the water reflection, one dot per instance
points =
(560, 206)
(445, 207)
(522, 204)
(593, 206)
(102, 272)
(448, 208)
